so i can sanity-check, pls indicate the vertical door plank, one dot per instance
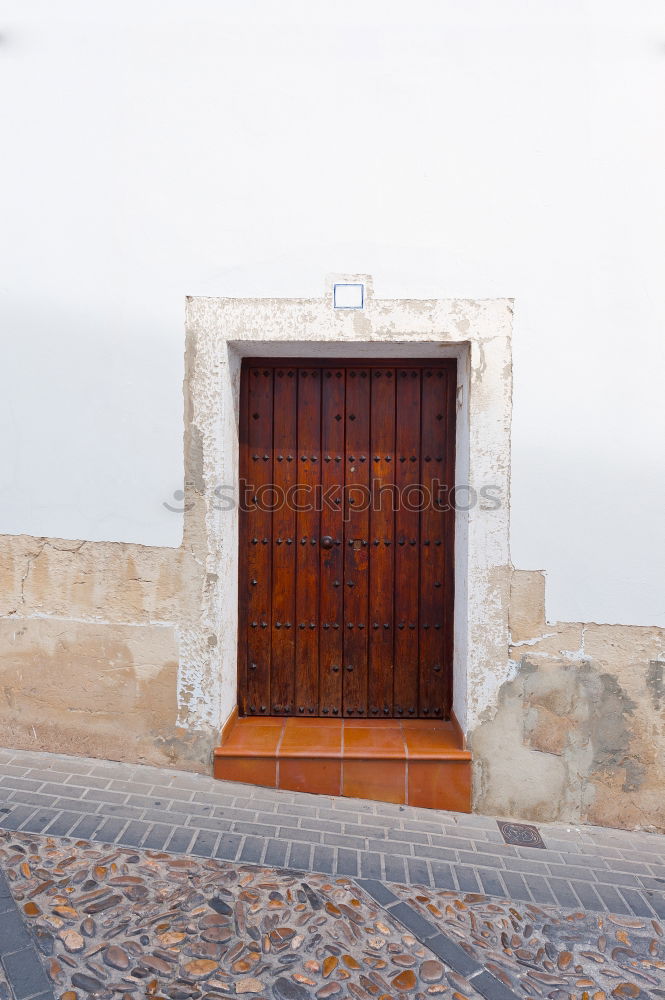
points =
(259, 548)
(448, 518)
(284, 542)
(307, 579)
(407, 541)
(382, 542)
(432, 548)
(357, 472)
(332, 559)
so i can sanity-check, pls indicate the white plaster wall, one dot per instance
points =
(228, 148)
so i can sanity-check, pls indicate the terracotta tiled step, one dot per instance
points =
(415, 762)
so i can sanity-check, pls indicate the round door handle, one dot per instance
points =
(327, 542)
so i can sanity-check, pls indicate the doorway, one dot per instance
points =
(347, 528)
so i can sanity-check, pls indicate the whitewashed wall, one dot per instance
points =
(486, 148)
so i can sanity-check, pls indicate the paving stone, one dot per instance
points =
(299, 857)
(492, 988)
(86, 826)
(420, 826)
(157, 837)
(180, 839)
(477, 858)
(26, 975)
(13, 935)
(410, 917)
(131, 787)
(133, 833)
(563, 892)
(106, 796)
(449, 842)
(304, 836)
(418, 871)
(409, 836)
(539, 889)
(204, 844)
(291, 809)
(371, 865)
(276, 852)
(77, 805)
(347, 862)
(147, 802)
(323, 859)
(228, 846)
(362, 829)
(443, 876)
(453, 955)
(255, 829)
(338, 840)
(587, 896)
(252, 849)
(175, 818)
(378, 890)
(76, 781)
(466, 878)
(395, 868)
(516, 886)
(110, 829)
(540, 855)
(490, 881)
(39, 820)
(436, 853)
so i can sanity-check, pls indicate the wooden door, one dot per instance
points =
(346, 538)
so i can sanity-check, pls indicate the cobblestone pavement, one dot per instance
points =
(104, 921)
(174, 876)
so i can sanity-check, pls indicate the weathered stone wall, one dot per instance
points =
(91, 637)
(578, 731)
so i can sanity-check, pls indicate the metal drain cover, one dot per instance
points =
(520, 834)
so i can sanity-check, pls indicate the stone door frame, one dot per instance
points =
(220, 332)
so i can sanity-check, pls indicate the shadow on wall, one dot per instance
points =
(578, 733)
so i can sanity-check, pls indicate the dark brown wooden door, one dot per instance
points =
(346, 538)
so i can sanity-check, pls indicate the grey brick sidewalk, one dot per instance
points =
(139, 806)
